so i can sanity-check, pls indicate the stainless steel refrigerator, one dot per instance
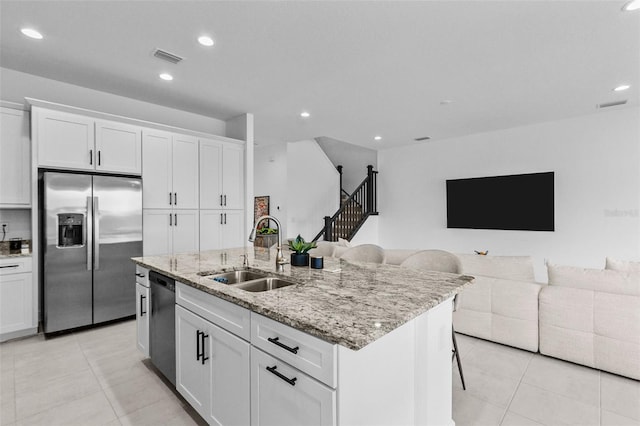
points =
(91, 226)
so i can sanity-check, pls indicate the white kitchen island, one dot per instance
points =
(352, 344)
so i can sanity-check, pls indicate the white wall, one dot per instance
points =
(353, 158)
(596, 160)
(270, 178)
(15, 86)
(312, 189)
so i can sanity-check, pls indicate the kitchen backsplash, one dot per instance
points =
(19, 221)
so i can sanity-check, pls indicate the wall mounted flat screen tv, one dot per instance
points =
(514, 202)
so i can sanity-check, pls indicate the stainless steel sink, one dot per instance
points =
(263, 284)
(234, 277)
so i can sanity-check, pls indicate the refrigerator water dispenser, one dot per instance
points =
(70, 230)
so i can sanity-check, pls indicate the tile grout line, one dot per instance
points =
(516, 391)
(98, 380)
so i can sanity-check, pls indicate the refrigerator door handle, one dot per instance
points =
(88, 240)
(96, 233)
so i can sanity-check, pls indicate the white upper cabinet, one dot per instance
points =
(221, 175)
(15, 158)
(64, 140)
(119, 147)
(73, 141)
(169, 170)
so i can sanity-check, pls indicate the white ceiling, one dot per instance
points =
(360, 68)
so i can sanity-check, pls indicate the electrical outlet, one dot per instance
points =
(5, 228)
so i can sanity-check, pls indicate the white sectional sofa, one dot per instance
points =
(592, 317)
(586, 316)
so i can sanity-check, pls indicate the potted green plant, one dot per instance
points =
(300, 247)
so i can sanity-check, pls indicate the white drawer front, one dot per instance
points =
(233, 318)
(15, 265)
(142, 276)
(303, 351)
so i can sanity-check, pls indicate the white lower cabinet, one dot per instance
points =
(142, 318)
(167, 231)
(283, 396)
(16, 298)
(212, 370)
(143, 303)
(221, 229)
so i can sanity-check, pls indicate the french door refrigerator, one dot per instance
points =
(91, 227)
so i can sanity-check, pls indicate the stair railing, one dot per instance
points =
(353, 212)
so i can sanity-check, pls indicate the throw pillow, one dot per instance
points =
(604, 280)
(622, 265)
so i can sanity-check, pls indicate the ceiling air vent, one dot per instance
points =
(166, 56)
(424, 138)
(611, 104)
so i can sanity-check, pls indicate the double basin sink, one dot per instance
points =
(248, 280)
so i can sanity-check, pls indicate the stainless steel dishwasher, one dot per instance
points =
(162, 329)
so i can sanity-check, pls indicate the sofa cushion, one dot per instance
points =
(622, 265)
(606, 280)
(508, 267)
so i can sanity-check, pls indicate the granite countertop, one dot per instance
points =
(348, 303)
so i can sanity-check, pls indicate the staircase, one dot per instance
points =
(354, 210)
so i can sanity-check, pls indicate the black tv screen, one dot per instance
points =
(514, 202)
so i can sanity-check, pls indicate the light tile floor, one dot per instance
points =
(98, 377)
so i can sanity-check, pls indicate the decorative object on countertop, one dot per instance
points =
(482, 253)
(15, 246)
(301, 248)
(317, 262)
(8, 248)
(261, 208)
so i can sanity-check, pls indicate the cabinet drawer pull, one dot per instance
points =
(142, 311)
(204, 336)
(198, 354)
(292, 382)
(10, 266)
(138, 274)
(276, 341)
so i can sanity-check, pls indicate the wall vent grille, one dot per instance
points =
(611, 104)
(166, 56)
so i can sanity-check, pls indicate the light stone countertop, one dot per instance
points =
(348, 303)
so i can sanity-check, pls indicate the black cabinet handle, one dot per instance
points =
(91, 157)
(142, 311)
(99, 152)
(276, 341)
(220, 199)
(9, 266)
(170, 199)
(220, 218)
(198, 355)
(204, 336)
(292, 382)
(225, 218)
(175, 198)
(225, 199)
(170, 219)
(175, 219)
(138, 274)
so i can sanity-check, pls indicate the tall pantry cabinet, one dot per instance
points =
(193, 193)
(221, 194)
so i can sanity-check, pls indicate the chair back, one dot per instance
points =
(434, 260)
(364, 253)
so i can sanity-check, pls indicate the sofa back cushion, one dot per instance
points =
(605, 280)
(622, 265)
(507, 267)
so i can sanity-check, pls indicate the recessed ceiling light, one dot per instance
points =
(30, 32)
(632, 5)
(305, 114)
(377, 138)
(166, 76)
(621, 88)
(205, 40)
